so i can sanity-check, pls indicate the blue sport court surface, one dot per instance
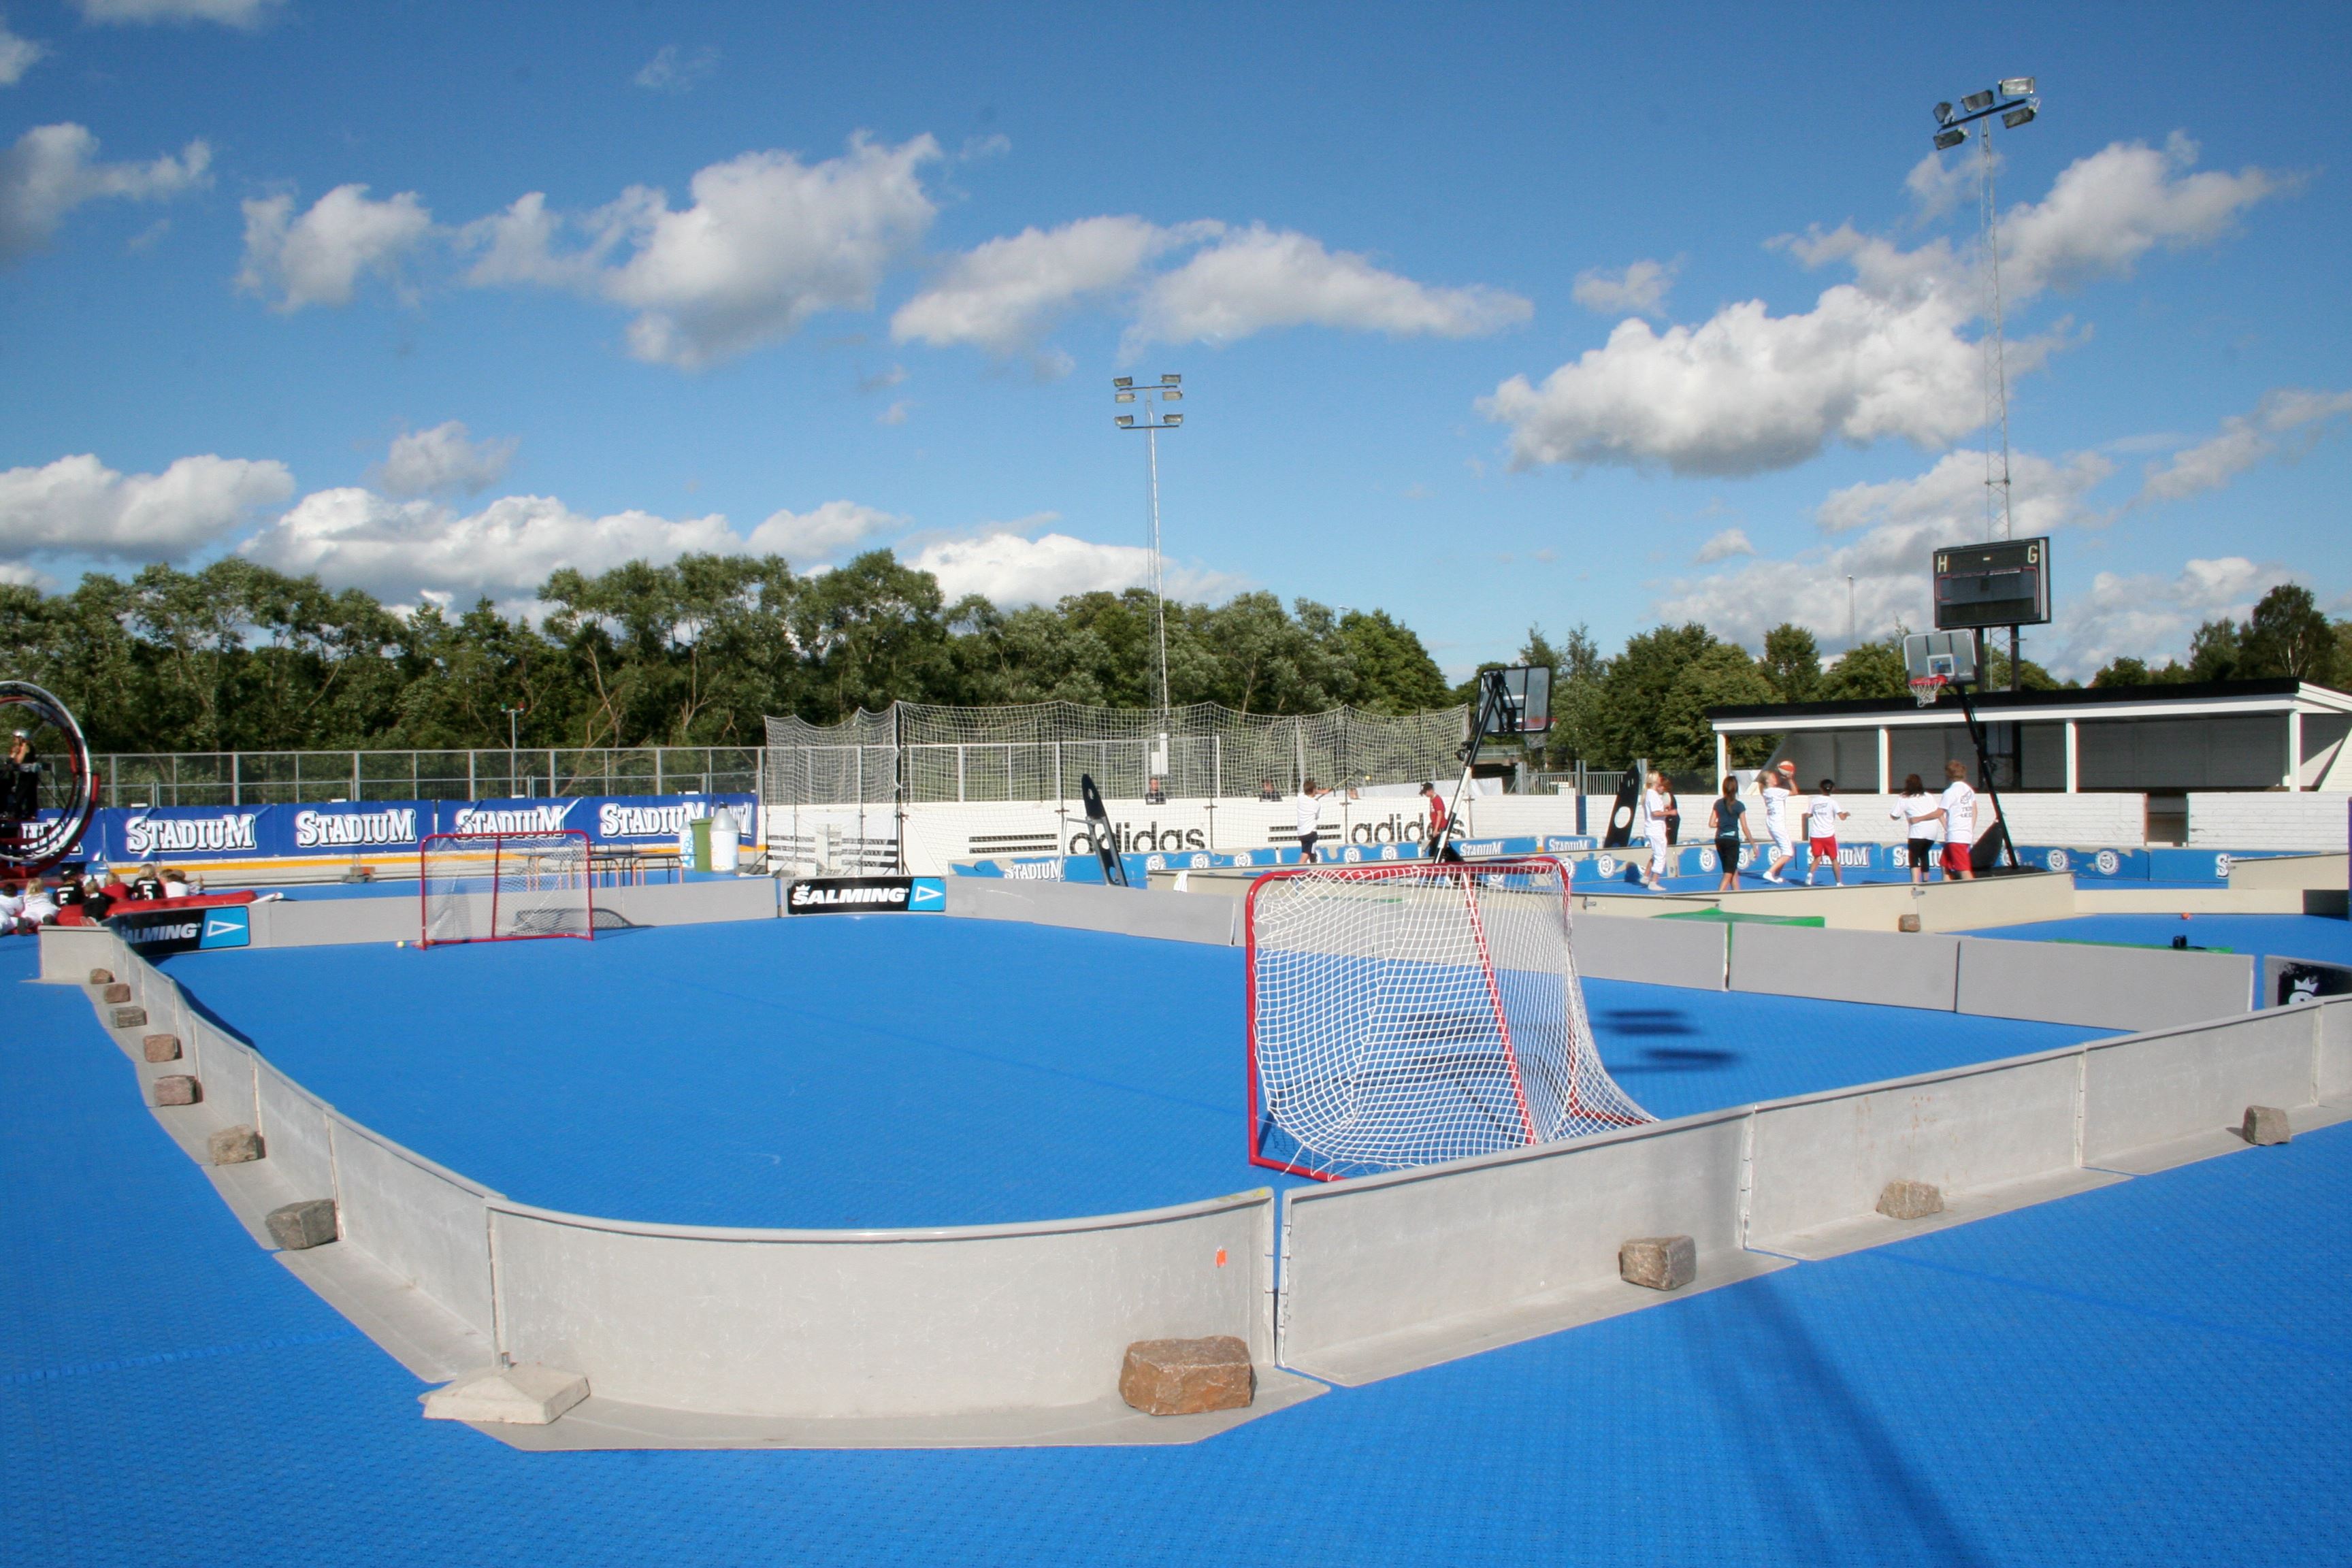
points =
(2317, 937)
(884, 1070)
(2156, 1372)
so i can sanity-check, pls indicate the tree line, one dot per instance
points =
(699, 652)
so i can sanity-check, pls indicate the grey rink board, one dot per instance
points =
(2112, 987)
(1127, 911)
(1389, 1273)
(1688, 953)
(1886, 968)
(2152, 1100)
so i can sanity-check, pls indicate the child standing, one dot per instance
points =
(1728, 822)
(1923, 819)
(1821, 833)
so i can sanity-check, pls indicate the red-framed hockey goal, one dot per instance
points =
(504, 887)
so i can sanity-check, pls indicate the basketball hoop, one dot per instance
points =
(1926, 688)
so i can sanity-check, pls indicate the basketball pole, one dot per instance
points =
(1984, 772)
(1490, 700)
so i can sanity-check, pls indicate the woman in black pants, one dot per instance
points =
(1729, 821)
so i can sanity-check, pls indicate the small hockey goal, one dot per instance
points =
(505, 887)
(1406, 1014)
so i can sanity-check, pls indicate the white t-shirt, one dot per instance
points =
(1959, 811)
(39, 908)
(12, 906)
(1916, 809)
(1310, 814)
(1652, 823)
(1776, 811)
(1821, 821)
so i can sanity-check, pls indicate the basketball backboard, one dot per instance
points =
(1950, 655)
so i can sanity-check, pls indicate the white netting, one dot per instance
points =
(502, 886)
(1404, 1014)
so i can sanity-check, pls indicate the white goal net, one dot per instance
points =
(1404, 1014)
(503, 886)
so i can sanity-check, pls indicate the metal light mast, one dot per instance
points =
(1154, 417)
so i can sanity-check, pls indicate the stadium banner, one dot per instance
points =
(868, 896)
(2287, 982)
(130, 834)
(155, 933)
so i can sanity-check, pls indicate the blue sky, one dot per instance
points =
(1487, 316)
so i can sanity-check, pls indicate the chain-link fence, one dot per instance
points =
(919, 754)
(284, 778)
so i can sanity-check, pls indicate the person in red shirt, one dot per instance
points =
(1435, 802)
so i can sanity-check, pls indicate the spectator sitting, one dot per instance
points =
(175, 885)
(1156, 792)
(147, 882)
(40, 908)
(1267, 792)
(12, 909)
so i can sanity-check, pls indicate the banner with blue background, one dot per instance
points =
(119, 834)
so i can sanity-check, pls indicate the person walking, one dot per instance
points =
(1778, 785)
(1727, 820)
(1822, 835)
(1923, 819)
(1434, 841)
(1957, 813)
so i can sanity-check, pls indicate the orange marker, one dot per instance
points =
(1220, 1257)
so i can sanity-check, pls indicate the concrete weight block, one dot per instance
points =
(1185, 1378)
(1911, 1200)
(117, 991)
(1659, 1262)
(178, 1089)
(297, 1227)
(161, 1047)
(236, 1146)
(1908, 923)
(526, 1396)
(2265, 1125)
(128, 1018)
(101, 977)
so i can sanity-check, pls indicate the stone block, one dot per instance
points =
(311, 1222)
(101, 977)
(117, 991)
(161, 1047)
(1660, 1262)
(1908, 923)
(1911, 1200)
(2266, 1124)
(236, 1145)
(178, 1089)
(526, 1396)
(128, 1018)
(1185, 1378)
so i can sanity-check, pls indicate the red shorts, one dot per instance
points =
(1955, 860)
(1823, 848)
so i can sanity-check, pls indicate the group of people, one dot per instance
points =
(29, 903)
(1941, 828)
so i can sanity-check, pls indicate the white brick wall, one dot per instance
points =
(2312, 820)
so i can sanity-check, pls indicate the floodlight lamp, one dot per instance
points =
(1977, 100)
(1126, 421)
(1951, 138)
(1167, 380)
(1943, 114)
(1172, 419)
(1172, 395)
(1122, 382)
(2018, 116)
(2017, 87)
(1123, 397)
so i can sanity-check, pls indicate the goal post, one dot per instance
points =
(504, 887)
(1406, 1014)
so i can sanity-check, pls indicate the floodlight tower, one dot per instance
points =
(1154, 417)
(2015, 101)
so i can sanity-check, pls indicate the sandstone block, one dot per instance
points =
(1911, 1200)
(117, 991)
(1185, 1378)
(2266, 1124)
(178, 1089)
(1660, 1262)
(311, 1222)
(101, 977)
(128, 1018)
(526, 1396)
(162, 1047)
(1908, 923)
(236, 1145)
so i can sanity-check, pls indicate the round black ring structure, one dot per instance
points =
(41, 841)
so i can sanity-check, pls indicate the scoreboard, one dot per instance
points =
(2004, 585)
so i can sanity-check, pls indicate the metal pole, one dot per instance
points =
(1996, 382)
(1159, 598)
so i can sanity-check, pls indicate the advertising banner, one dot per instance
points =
(155, 933)
(868, 896)
(128, 834)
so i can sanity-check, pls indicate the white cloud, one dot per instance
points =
(80, 506)
(2044, 497)
(53, 169)
(1009, 569)
(316, 259)
(17, 56)
(673, 69)
(1006, 294)
(247, 13)
(399, 549)
(821, 533)
(1638, 291)
(1746, 392)
(446, 457)
(2150, 617)
(896, 413)
(2286, 422)
(1731, 542)
(1256, 279)
(768, 242)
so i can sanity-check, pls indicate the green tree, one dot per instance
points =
(2288, 636)
(1392, 671)
(1867, 669)
(1792, 662)
(1722, 676)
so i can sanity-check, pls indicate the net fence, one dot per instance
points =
(923, 754)
(504, 887)
(1406, 1015)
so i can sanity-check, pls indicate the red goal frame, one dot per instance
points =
(494, 841)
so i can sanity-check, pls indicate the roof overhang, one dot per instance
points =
(2212, 699)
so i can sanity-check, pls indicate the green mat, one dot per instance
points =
(1729, 919)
